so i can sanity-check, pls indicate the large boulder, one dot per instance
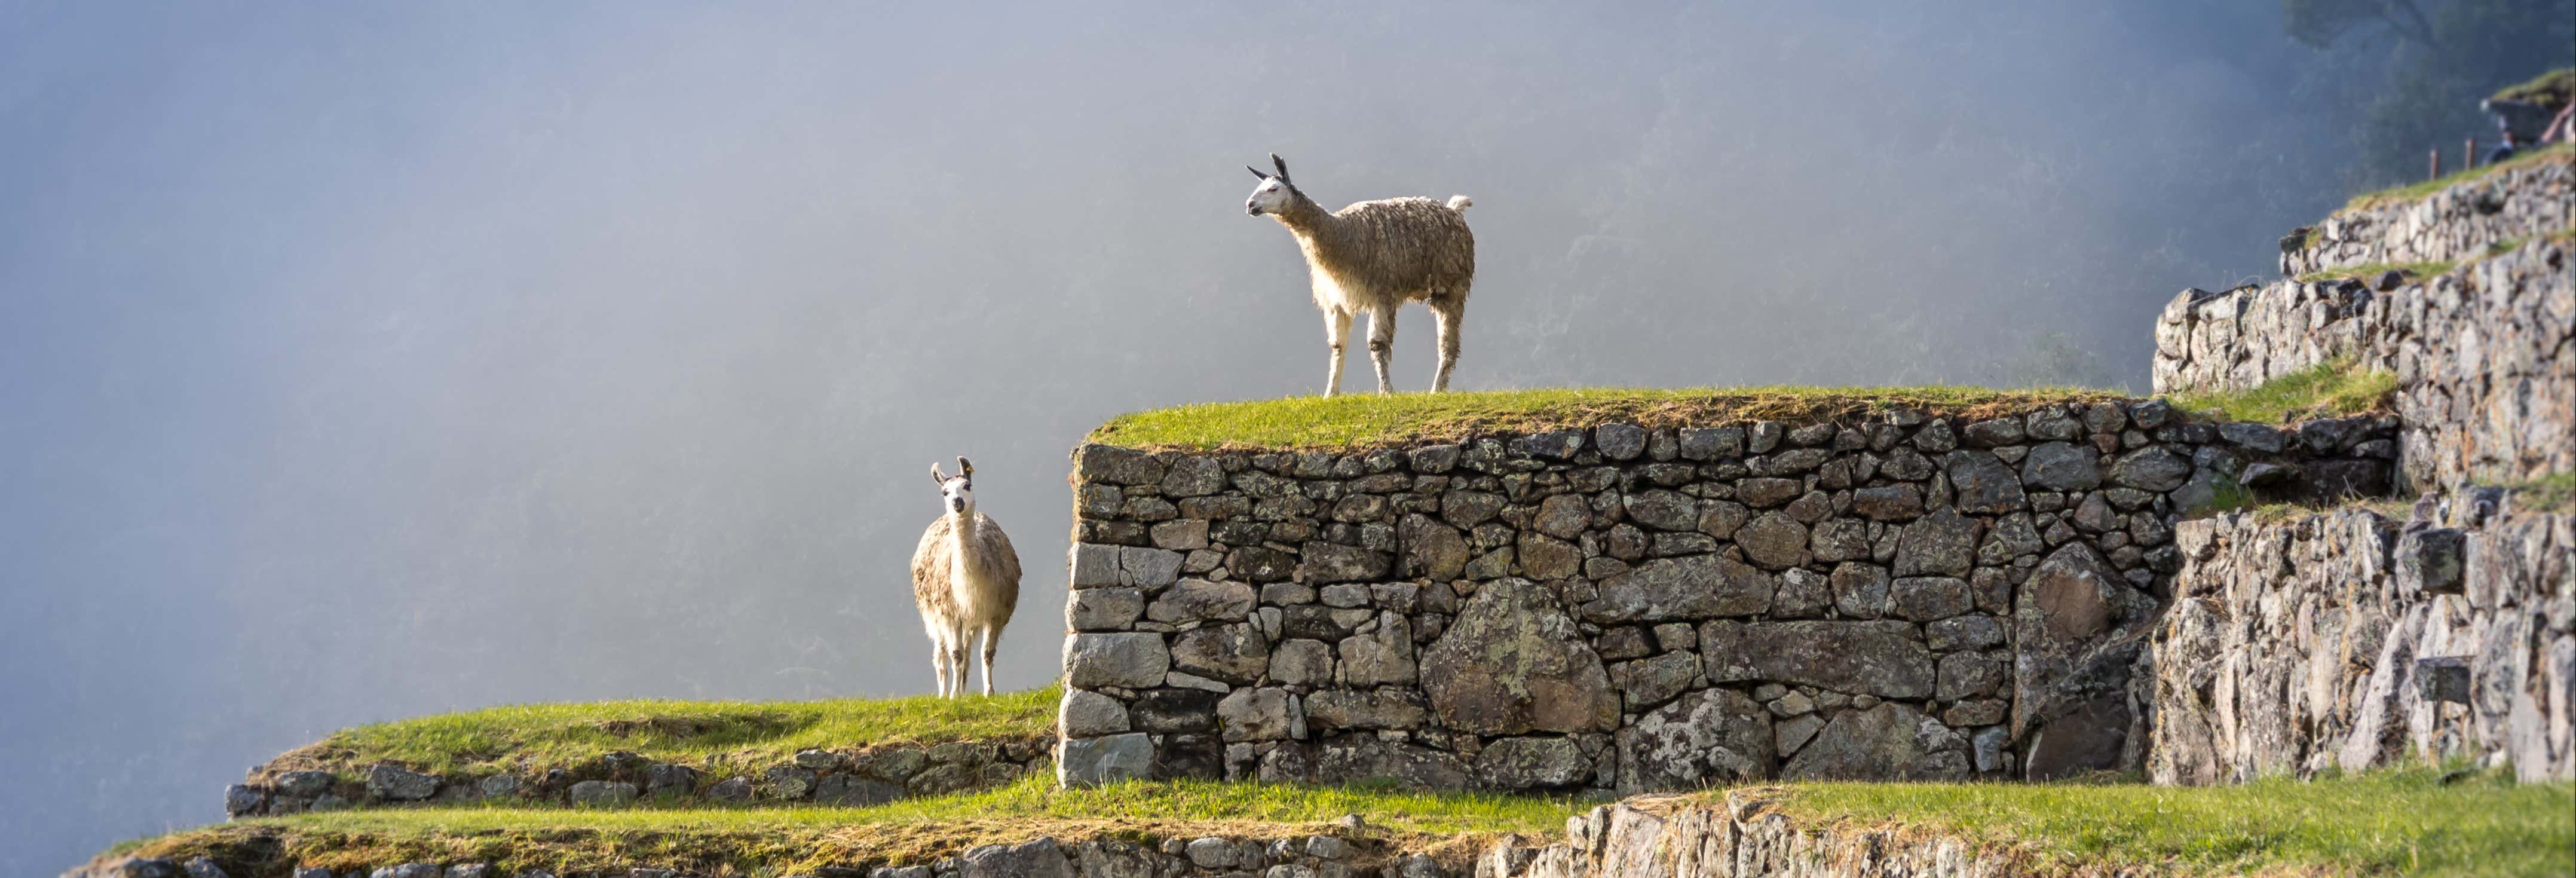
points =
(1709, 736)
(1364, 758)
(1532, 763)
(1512, 663)
(2077, 626)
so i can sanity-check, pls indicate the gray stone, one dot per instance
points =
(305, 784)
(393, 783)
(1513, 663)
(1619, 441)
(783, 782)
(1132, 660)
(1711, 443)
(1791, 734)
(2071, 627)
(1763, 493)
(1109, 464)
(2431, 561)
(1380, 658)
(1989, 744)
(2443, 678)
(1879, 658)
(498, 786)
(1968, 674)
(1333, 562)
(602, 794)
(1366, 709)
(1994, 432)
(1564, 516)
(1212, 853)
(243, 799)
(1094, 565)
(1943, 543)
(1662, 510)
(1652, 681)
(1233, 653)
(1773, 540)
(896, 763)
(1301, 663)
(1964, 632)
(1709, 736)
(202, 867)
(1268, 714)
(663, 777)
(1103, 609)
(2012, 536)
(1193, 476)
(1840, 539)
(1431, 550)
(1721, 518)
(1693, 587)
(2060, 466)
(1082, 762)
(1532, 763)
(1860, 590)
(1888, 502)
(1928, 598)
(1148, 568)
(1802, 593)
(1087, 714)
(1983, 483)
(2254, 436)
(1183, 535)
(1345, 595)
(1368, 760)
(2086, 740)
(1887, 742)
(1036, 859)
(1467, 509)
(1258, 564)
(2151, 469)
(1544, 557)
(732, 789)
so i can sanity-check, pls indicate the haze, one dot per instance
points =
(364, 361)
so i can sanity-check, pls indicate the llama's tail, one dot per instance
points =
(1460, 203)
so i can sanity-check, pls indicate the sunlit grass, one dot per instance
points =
(531, 737)
(1363, 420)
(2388, 822)
(2324, 390)
(2372, 270)
(779, 841)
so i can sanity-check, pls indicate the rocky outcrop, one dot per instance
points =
(1738, 835)
(2447, 226)
(2349, 640)
(1905, 594)
(2485, 356)
(848, 776)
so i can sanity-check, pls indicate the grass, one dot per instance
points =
(2397, 821)
(2324, 390)
(529, 738)
(2371, 270)
(2555, 492)
(1366, 420)
(2551, 89)
(2412, 191)
(775, 841)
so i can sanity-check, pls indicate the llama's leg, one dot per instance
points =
(939, 665)
(1448, 319)
(1382, 344)
(1337, 329)
(992, 640)
(957, 659)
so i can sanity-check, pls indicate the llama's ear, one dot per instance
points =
(965, 469)
(1256, 172)
(936, 475)
(1281, 164)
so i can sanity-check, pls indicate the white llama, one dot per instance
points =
(1374, 256)
(965, 579)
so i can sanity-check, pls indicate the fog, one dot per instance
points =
(362, 361)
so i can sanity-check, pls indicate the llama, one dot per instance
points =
(1374, 256)
(965, 579)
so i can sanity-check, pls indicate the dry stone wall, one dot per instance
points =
(2450, 225)
(1739, 836)
(848, 776)
(1901, 594)
(2485, 356)
(2349, 640)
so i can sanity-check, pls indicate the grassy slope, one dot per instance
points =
(2395, 821)
(2412, 191)
(1362, 420)
(777, 841)
(526, 738)
(2323, 390)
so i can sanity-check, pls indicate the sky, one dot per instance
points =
(370, 360)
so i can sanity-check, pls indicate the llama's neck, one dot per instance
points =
(1306, 219)
(961, 526)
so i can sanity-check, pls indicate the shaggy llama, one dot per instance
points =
(1374, 256)
(965, 579)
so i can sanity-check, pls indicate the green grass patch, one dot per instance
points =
(2551, 89)
(2324, 390)
(2412, 191)
(529, 738)
(2555, 492)
(780, 841)
(1366, 420)
(2399, 821)
(2371, 270)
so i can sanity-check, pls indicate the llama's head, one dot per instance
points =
(1275, 192)
(957, 492)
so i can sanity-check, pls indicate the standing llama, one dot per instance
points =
(1374, 256)
(965, 579)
